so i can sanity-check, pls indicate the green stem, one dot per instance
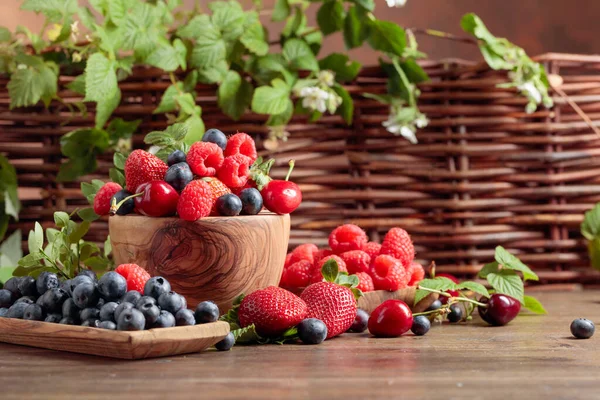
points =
(428, 312)
(434, 291)
(291, 163)
(114, 207)
(409, 87)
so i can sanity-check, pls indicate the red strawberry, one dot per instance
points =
(356, 261)
(142, 167)
(373, 249)
(103, 196)
(195, 201)
(304, 252)
(135, 276)
(331, 303)
(398, 244)
(346, 238)
(272, 311)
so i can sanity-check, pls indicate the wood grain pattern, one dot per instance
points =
(214, 258)
(370, 300)
(116, 344)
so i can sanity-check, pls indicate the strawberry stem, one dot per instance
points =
(114, 207)
(292, 163)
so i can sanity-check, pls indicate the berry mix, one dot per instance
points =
(218, 176)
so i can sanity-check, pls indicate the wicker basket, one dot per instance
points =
(484, 173)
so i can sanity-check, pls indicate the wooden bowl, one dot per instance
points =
(371, 300)
(214, 258)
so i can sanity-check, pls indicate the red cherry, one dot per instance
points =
(501, 309)
(282, 197)
(391, 319)
(158, 199)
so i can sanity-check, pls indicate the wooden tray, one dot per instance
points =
(116, 344)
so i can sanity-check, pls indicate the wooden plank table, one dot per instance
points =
(533, 357)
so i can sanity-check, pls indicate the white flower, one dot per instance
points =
(74, 30)
(395, 3)
(421, 121)
(530, 90)
(314, 98)
(21, 66)
(399, 129)
(326, 77)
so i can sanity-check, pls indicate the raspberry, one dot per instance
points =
(243, 144)
(103, 196)
(298, 274)
(217, 189)
(356, 261)
(373, 249)
(388, 273)
(142, 167)
(416, 272)
(346, 238)
(322, 254)
(304, 252)
(205, 158)
(398, 244)
(195, 201)
(317, 276)
(135, 276)
(366, 282)
(288, 258)
(235, 171)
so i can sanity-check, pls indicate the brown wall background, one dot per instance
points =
(536, 25)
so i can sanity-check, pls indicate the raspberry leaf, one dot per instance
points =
(533, 305)
(489, 268)
(428, 286)
(507, 281)
(474, 287)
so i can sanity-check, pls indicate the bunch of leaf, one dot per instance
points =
(502, 276)
(590, 229)
(9, 198)
(62, 250)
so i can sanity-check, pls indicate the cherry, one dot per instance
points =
(391, 318)
(282, 197)
(500, 310)
(157, 199)
(453, 293)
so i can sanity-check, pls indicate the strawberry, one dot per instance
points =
(217, 189)
(142, 167)
(272, 311)
(135, 276)
(103, 196)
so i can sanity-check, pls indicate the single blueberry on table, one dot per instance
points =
(6, 298)
(456, 314)
(147, 306)
(420, 325)
(229, 205)
(125, 208)
(17, 310)
(360, 322)
(52, 301)
(28, 287)
(312, 331)
(582, 328)
(179, 175)
(86, 295)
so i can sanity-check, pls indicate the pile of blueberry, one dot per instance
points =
(103, 303)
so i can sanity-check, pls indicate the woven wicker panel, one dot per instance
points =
(484, 173)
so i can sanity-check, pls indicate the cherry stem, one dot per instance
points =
(292, 163)
(438, 310)
(434, 291)
(114, 207)
(471, 301)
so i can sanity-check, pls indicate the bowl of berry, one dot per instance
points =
(209, 219)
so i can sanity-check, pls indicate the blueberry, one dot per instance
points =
(68, 321)
(107, 312)
(420, 325)
(215, 136)
(28, 287)
(3, 312)
(582, 328)
(360, 322)
(176, 157)
(33, 312)
(156, 286)
(78, 280)
(229, 205)
(6, 298)
(52, 301)
(86, 295)
(252, 201)
(92, 323)
(185, 317)
(171, 302)
(28, 300)
(436, 305)
(53, 318)
(46, 281)
(12, 285)
(66, 286)
(131, 320)
(101, 303)
(227, 343)
(312, 331)
(164, 320)
(206, 312)
(147, 306)
(89, 313)
(89, 273)
(125, 208)
(122, 307)
(179, 175)
(108, 325)
(112, 286)
(17, 310)
(455, 314)
(131, 297)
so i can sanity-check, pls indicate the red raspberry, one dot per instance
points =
(346, 238)
(298, 274)
(373, 249)
(142, 167)
(135, 276)
(304, 252)
(416, 272)
(317, 276)
(322, 254)
(103, 196)
(195, 201)
(243, 144)
(398, 244)
(366, 282)
(205, 158)
(235, 171)
(356, 261)
(388, 273)
(288, 258)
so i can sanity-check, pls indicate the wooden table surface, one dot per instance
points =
(533, 357)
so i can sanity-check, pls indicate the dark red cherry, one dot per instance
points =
(158, 199)
(500, 310)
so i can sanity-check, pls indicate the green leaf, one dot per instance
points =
(36, 238)
(140, 30)
(10, 249)
(344, 69)
(346, 109)
(210, 48)
(355, 30)
(195, 130)
(235, 95)
(54, 10)
(100, 78)
(474, 287)
(61, 219)
(121, 129)
(387, 37)
(49, 79)
(594, 252)
(282, 118)
(96, 263)
(254, 39)
(5, 35)
(194, 27)
(273, 99)
(366, 4)
(164, 57)
(117, 176)
(488, 268)
(117, 10)
(107, 246)
(25, 88)
(509, 261)
(472, 24)
(281, 10)
(299, 55)
(105, 108)
(590, 227)
(79, 232)
(78, 85)
(10, 197)
(88, 214)
(533, 305)
(441, 284)
(167, 102)
(81, 146)
(330, 17)
(507, 282)
(215, 73)
(330, 270)
(228, 17)
(32, 259)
